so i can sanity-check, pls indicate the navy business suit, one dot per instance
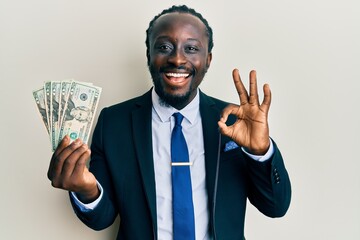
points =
(122, 162)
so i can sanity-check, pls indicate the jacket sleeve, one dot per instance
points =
(104, 214)
(270, 188)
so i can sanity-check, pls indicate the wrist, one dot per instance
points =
(88, 196)
(260, 151)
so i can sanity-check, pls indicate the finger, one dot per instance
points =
(62, 145)
(228, 110)
(240, 88)
(224, 129)
(265, 105)
(58, 160)
(81, 164)
(254, 97)
(71, 161)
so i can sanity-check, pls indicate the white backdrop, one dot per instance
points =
(308, 51)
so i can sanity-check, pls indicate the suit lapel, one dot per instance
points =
(209, 117)
(141, 119)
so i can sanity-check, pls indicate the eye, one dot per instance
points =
(164, 48)
(191, 49)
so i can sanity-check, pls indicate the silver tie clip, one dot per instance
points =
(181, 164)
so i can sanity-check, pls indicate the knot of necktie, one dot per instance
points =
(178, 118)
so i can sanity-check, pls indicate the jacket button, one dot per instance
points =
(277, 180)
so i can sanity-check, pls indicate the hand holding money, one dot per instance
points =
(67, 109)
(68, 170)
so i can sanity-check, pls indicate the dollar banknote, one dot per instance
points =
(67, 108)
(65, 89)
(48, 105)
(79, 111)
(55, 110)
(39, 96)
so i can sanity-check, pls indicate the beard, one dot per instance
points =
(167, 99)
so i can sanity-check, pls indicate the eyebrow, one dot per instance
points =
(166, 37)
(194, 39)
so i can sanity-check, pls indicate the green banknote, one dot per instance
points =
(79, 111)
(39, 97)
(55, 104)
(67, 107)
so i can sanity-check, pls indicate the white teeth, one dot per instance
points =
(177, 75)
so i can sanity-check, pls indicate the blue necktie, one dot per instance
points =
(183, 210)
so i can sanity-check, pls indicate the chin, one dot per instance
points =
(175, 96)
(172, 98)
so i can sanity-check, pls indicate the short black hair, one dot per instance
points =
(181, 9)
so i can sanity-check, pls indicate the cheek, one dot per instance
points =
(201, 67)
(156, 60)
(199, 62)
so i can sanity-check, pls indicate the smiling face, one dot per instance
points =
(178, 57)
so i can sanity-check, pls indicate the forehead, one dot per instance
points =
(181, 24)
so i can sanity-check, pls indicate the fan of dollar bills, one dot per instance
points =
(67, 108)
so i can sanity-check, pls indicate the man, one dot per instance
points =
(132, 162)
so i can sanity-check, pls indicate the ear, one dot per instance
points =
(208, 59)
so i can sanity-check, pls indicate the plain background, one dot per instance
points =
(308, 51)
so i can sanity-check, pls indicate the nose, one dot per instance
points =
(177, 58)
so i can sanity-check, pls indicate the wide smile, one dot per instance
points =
(176, 79)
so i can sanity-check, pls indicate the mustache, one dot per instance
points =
(176, 69)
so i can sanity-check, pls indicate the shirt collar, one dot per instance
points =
(189, 112)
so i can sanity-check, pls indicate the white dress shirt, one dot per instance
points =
(162, 125)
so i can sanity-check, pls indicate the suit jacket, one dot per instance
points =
(122, 161)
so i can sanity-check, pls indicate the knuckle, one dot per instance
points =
(66, 185)
(57, 159)
(80, 162)
(71, 161)
(67, 163)
(55, 183)
(59, 183)
(73, 146)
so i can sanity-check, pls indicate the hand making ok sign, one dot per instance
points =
(250, 129)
